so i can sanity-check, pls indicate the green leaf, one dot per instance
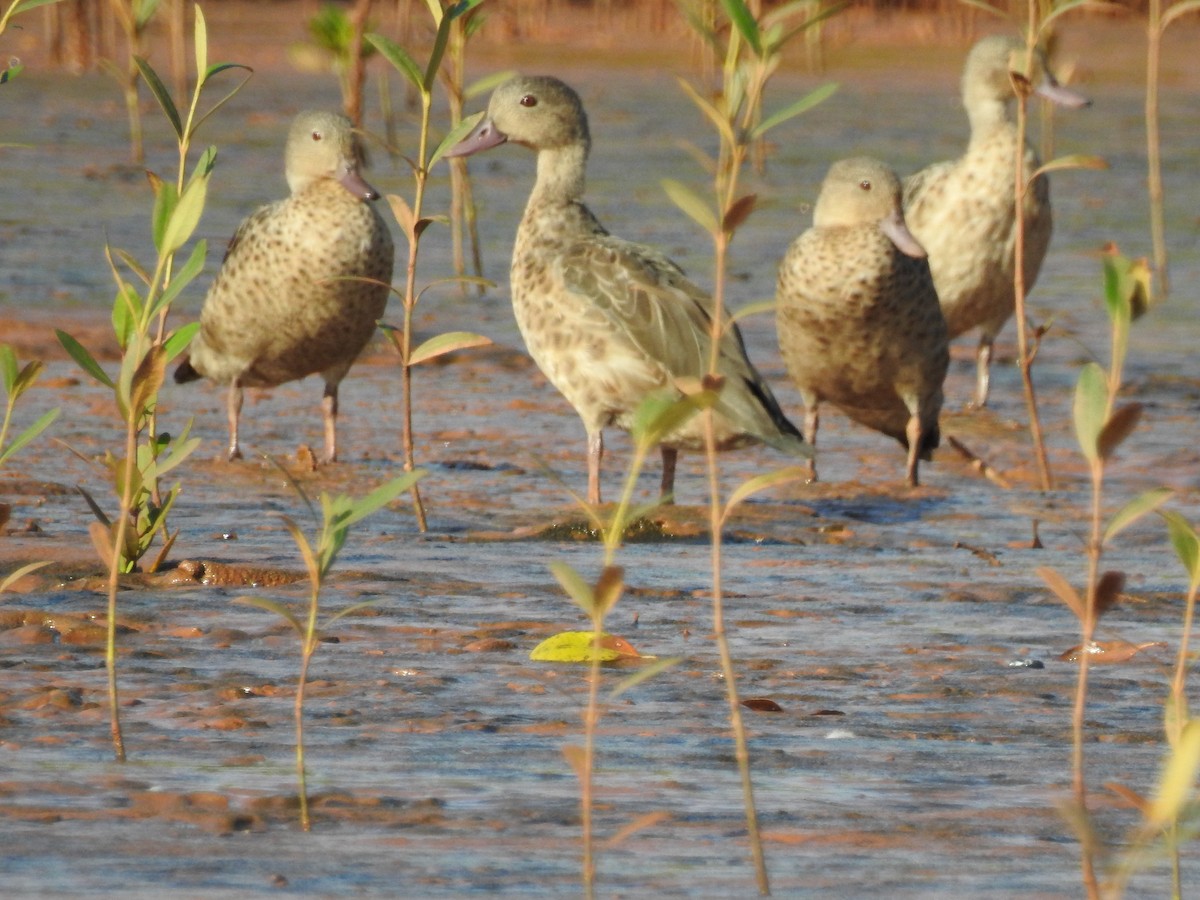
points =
(12, 577)
(181, 449)
(306, 552)
(1178, 781)
(440, 39)
(183, 277)
(83, 358)
(456, 134)
(200, 42)
(1091, 402)
(380, 497)
(353, 608)
(642, 674)
(26, 377)
(577, 589)
(764, 482)
(1186, 542)
(803, 105)
(166, 198)
(485, 84)
(398, 57)
(1135, 509)
(161, 94)
(743, 20)
(8, 366)
(186, 215)
(29, 434)
(688, 201)
(447, 343)
(179, 340)
(273, 606)
(715, 116)
(126, 307)
(26, 5)
(100, 515)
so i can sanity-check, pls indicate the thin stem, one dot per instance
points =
(310, 646)
(1154, 31)
(590, 722)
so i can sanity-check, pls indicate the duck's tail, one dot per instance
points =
(185, 372)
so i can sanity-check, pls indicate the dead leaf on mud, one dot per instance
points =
(762, 704)
(1110, 651)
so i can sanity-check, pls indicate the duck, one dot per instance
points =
(608, 321)
(304, 280)
(857, 313)
(963, 211)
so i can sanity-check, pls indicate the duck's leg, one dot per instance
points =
(595, 452)
(915, 434)
(983, 368)
(669, 457)
(812, 420)
(329, 410)
(233, 408)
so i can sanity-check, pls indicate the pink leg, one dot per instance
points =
(915, 435)
(812, 421)
(983, 371)
(233, 407)
(595, 451)
(329, 410)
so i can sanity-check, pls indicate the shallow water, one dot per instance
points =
(911, 755)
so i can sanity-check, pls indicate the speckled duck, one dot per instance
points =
(289, 300)
(609, 321)
(857, 314)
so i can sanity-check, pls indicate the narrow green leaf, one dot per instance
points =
(743, 20)
(26, 5)
(29, 434)
(642, 674)
(180, 450)
(715, 116)
(447, 343)
(186, 215)
(100, 515)
(179, 340)
(213, 70)
(803, 105)
(83, 358)
(1135, 509)
(8, 366)
(1091, 400)
(456, 134)
(688, 201)
(398, 57)
(764, 482)
(1178, 781)
(485, 84)
(353, 608)
(161, 94)
(577, 589)
(1186, 542)
(182, 277)
(440, 40)
(14, 576)
(306, 552)
(200, 41)
(273, 606)
(381, 496)
(26, 377)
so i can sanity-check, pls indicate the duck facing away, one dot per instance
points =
(964, 212)
(857, 314)
(608, 321)
(290, 300)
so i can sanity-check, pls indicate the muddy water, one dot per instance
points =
(923, 739)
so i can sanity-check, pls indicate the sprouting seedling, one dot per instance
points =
(411, 216)
(339, 35)
(1102, 425)
(17, 380)
(338, 515)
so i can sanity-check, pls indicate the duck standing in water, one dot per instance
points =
(964, 211)
(304, 281)
(609, 321)
(857, 314)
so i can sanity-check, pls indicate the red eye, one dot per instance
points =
(865, 184)
(529, 100)
(317, 136)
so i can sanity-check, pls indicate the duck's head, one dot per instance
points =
(987, 78)
(324, 145)
(537, 111)
(864, 191)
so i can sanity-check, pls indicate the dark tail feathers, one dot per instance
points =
(184, 372)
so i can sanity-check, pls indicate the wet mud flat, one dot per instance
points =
(922, 742)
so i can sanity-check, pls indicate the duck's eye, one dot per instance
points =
(865, 184)
(316, 136)
(529, 101)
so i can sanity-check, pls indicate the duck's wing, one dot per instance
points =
(924, 186)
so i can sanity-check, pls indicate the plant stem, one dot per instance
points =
(1154, 32)
(306, 657)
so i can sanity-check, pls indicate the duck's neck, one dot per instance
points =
(988, 116)
(560, 175)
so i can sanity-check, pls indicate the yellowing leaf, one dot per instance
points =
(1109, 651)
(1178, 780)
(580, 646)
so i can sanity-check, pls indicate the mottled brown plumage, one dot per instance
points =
(289, 301)
(964, 211)
(608, 321)
(857, 314)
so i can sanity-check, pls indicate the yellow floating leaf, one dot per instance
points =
(580, 646)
